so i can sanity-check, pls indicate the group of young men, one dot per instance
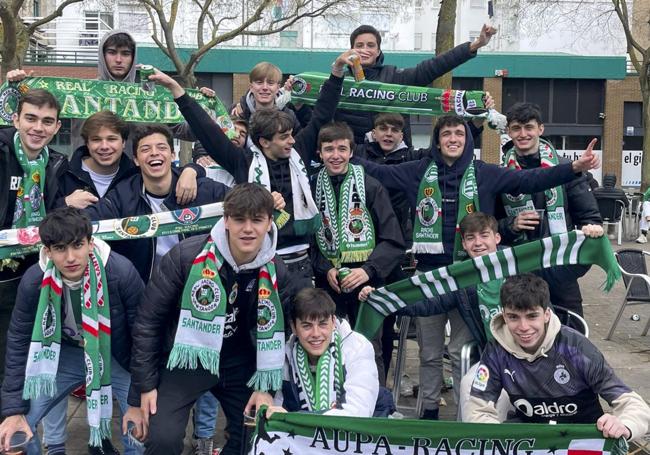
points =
(169, 323)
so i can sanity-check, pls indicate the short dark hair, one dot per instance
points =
(39, 98)
(525, 292)
(365, 29)
(478, 222)
(104, 119)
(64, 226)
(389, 118)
(248, 200)
(240, 121)
(146, 130)
(311, 304)
(446, 120)
(264, 123)
(334, 131)
(524, 113)
(119, 40)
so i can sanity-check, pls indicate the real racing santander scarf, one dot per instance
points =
(347, 233)
(30, 203)
(514, 205)
(307, 218)
(563, 249)
(199, 335)
(321, 390)
(45, 347)
(427, 228)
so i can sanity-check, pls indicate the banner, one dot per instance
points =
(19, 242)
(560, 249)
(304, 433)
(381, 97)
(81, 98)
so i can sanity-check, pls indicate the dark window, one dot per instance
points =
(590, 101)
(467, 83)
(632, 142)
(537, 91)
(37, 8)
(513, 92)
(564, 101)
(633, 114)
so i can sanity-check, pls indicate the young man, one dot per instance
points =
(276, 160)
(230, 287)
(152, 190)
(565, 207)
(366, 42)
(550, 372)
(29, 175)
(348, 385)
(71, 325)
(442, 189)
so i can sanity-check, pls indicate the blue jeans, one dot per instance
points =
(54, 424)
(205, 416)
(70, 375)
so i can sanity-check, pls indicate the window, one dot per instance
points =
(288, 38)
(433, 41)
(591, 94)
(564, 101)
(98, 20)
(136, 21)
(477, 4)
(36, 11)
(633, 114)
(417, 45)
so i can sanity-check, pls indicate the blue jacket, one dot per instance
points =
(125, 290)
(128, 199)
(491, 179)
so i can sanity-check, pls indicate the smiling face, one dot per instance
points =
(105, 148)
(241, 133)
(70, 260)
(279, 146)
(387, 136)
(36, 127)
(264, 91)
(118, 60)
(246, 235)
(525, 136)
(336, 156)
(528, 327)
(367, 48)
(314, 335)
(452, 143)
(154, 157)
(480, 243)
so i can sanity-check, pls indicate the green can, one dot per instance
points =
(341, 274)
(145, 83)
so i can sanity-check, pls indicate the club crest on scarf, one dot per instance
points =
(136, 226)
(48, 322)
(356, 227)
(428, 209)
(266, 313)
(8, 103)
(206, 293)
(187, 216)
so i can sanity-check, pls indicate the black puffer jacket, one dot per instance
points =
(421, 75)
(160, 310)
(125, 290)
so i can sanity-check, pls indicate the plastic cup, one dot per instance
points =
(17, 444)
(539, 229)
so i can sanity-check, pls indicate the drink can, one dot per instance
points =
(357, 69)
(145, 83)
(635, 317)
(341, 274)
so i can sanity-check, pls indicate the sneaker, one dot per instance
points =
(203, 446)
(107, 448)
(642, 239)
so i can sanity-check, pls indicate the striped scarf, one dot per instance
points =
(562, 249)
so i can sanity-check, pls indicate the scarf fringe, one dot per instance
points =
(427, 248)
(36, 385)
(307, 226)
(613, 275)
(281, 218)
(355, 256)
(103, 431)
(188, 357)
(264, 381)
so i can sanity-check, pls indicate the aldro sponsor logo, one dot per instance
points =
(546, 410)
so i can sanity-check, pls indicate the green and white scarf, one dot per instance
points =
(307, 218)
(30, 203)
(514, 205)
(322, 390)
(564, 249)
(427, 229)
(489, 303)
(347, 233)
(199, 335)
(45, 347)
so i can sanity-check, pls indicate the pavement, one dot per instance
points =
(627, 352)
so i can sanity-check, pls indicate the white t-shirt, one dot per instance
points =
(101, 181)
(166, 242)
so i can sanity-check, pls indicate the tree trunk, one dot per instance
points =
(645, 96)
(445, 37)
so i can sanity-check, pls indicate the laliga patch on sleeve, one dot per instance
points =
(481, 378)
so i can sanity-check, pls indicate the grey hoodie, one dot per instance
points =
(102, 69)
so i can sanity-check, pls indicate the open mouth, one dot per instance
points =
(155, 164)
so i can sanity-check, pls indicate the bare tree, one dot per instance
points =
(445, 37)
(639, 52)
(220, 21)
(15, 33)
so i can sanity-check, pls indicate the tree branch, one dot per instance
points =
(53, 15)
